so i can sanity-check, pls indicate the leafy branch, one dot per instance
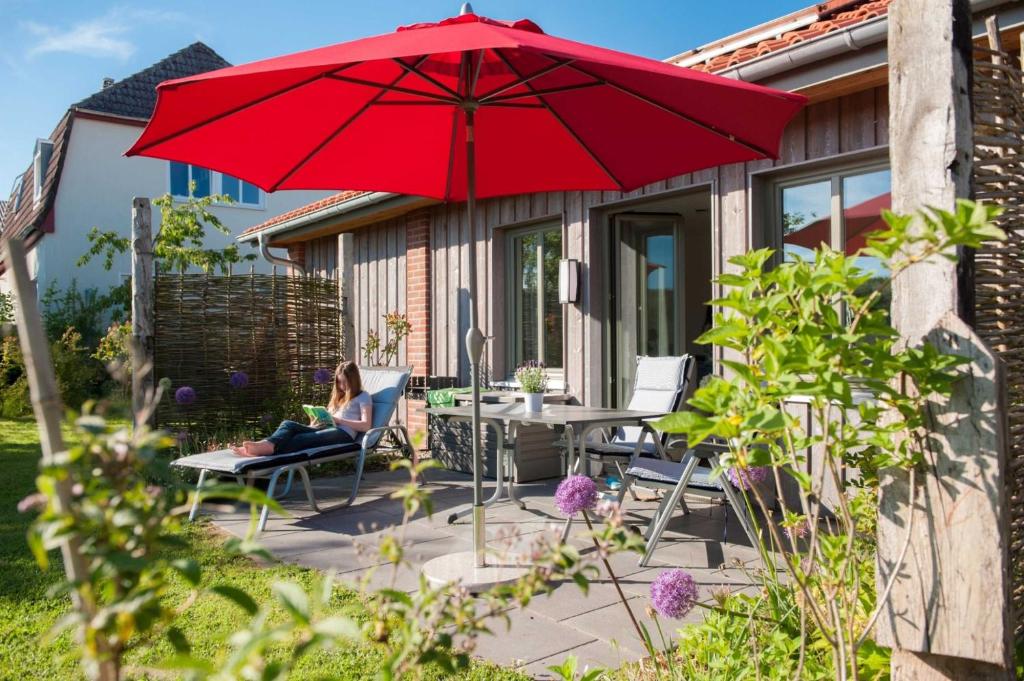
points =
(180, 242)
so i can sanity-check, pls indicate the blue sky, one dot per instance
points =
(56, 52)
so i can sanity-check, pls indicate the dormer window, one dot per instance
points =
(16, 193)
(40, 164)
(208, 182)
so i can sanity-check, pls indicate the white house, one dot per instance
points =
(78, 179)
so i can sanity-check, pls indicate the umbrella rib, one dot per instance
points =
(549, 91)
(243, 107)
(395, 88)
(524, 80)
(510, 105)
(679, 114)
(384, 89)
(424, 76)
(590, 152)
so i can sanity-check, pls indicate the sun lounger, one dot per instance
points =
(385, 386)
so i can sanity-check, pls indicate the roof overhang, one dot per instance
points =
(850, 59)
(340, 217)
(109, 117)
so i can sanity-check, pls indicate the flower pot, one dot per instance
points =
(533, 402)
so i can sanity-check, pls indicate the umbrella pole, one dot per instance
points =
(474, 348)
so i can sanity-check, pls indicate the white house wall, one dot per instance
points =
(96, 189)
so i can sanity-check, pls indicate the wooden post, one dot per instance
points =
(49, 412)
(142, 304)
(346, 248)
(947, 616)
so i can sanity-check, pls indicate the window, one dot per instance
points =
(536, 314)
(838, 209)
(208, 182)
(241, 191)
(40, 164)
(16, 192)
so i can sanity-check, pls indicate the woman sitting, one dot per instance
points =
(351, 410)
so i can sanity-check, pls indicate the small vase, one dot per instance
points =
(533, 402)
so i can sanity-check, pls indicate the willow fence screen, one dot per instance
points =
(999, 267)
(248, 345)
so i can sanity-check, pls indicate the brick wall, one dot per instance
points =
(417, 295)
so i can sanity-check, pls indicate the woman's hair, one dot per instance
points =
(350, 371)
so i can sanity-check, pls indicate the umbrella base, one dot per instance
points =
(461, 568)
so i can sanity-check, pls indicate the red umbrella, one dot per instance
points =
(464, 108)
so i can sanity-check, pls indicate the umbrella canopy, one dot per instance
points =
(388, 113)
(468, 107)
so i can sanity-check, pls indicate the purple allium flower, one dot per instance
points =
(185, 395)
(322, 376)
(747, 477)
(239, 380)
(181, 436)
(673, 594)
(267, 419)
(576, 493)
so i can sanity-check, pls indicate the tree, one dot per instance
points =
(180, 243)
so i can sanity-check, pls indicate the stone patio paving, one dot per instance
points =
(595, 627)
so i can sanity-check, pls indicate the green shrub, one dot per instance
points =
(6, 308)
(80, 376)
(14, 400)
(84, 310)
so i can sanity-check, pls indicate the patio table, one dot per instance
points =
(505, 419)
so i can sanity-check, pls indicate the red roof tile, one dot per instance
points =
(831, 16)
(332, 200)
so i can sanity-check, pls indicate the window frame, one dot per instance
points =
(40, 166)
(513, 292)
(216, 188)
(832, 173)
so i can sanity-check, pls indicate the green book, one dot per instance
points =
(318, 415)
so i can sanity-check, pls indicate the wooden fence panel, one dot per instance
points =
(277, 330)
(999, 266)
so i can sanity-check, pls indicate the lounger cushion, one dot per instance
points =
(670, 472)
(226, 461)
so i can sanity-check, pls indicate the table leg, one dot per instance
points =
(570, 455)
(502, 488)
(511, 449)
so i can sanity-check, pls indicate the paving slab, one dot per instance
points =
(595, 628)
(531, 637)
(612, 625)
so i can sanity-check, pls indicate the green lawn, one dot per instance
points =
(26, 611)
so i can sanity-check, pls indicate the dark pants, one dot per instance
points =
(292, 436)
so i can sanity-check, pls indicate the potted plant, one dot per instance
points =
(532, 382)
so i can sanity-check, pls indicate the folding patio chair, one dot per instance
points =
(679, 478)
(385, 386)
(660, 384)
